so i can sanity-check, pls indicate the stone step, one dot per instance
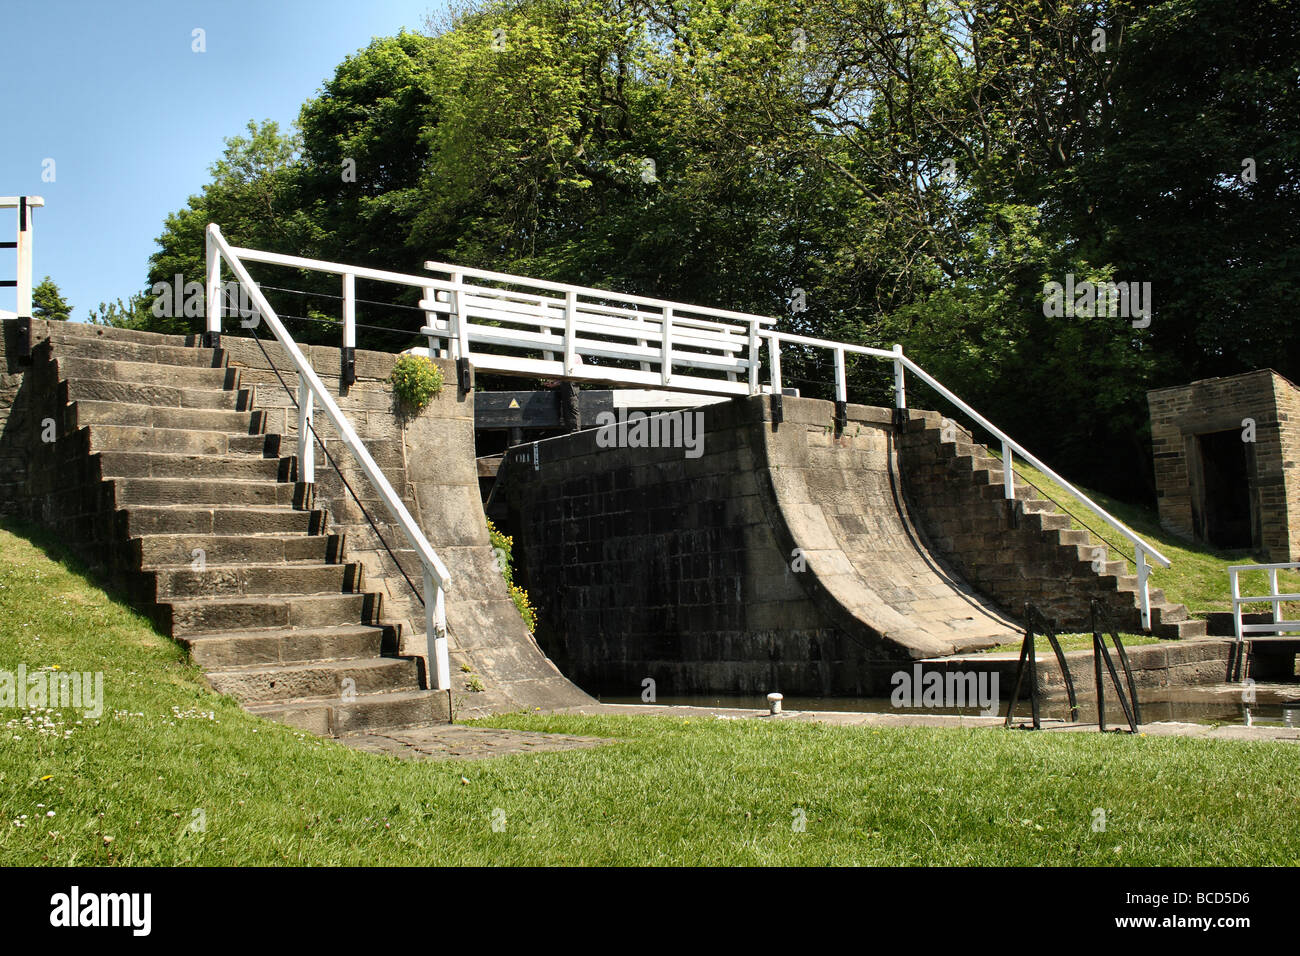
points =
(169, 396)
(319, 680)
(114, 350)
(64, 331)
(1051, 521)
(178, 550)
(85, 413)
(179, 441)
(181, 618)
(1118, 582)
(1181, 630)
(123, 464)
(200, 491)
(281, 646)
(334, 718)
(1162, 613)
(139, 520)
(146, 373)
(249, 580)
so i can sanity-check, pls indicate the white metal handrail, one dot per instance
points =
(659, 343)
(1274, 597)
(311, 391)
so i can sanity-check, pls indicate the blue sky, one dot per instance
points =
(132, 117)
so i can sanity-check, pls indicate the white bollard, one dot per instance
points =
(774, 703)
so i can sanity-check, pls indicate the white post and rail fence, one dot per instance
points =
(22, 280)
(537, 328)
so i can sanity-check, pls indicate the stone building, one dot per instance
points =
(1225, 462)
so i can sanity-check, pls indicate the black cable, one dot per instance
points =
(339, 298)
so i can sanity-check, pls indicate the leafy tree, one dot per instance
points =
(872, 170)
(135, 313)
(48, 302)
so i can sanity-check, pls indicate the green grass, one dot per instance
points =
(1198, 576)
(1073, 642)
(670, 791)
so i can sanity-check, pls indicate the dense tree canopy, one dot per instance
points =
(915, 170)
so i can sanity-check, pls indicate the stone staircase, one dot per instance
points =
(968, 519)
(198, 513)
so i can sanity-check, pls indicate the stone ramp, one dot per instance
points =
(837, 499)
(781, 557)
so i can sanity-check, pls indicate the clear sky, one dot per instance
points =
(112, 91)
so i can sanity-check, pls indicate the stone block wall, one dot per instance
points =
(1181, 413)
(647, 564)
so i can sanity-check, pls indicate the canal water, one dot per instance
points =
(1244, 704)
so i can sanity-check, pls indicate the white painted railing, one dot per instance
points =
(1274, 597)
(22, 281)
(629, 339)
(537, 328)
(312, 391)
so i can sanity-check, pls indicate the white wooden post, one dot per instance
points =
(306, 448)
(1144, 592)
(900, 393)
(774, 361)
(212, 294)
(347, 370)
(666, 349)
(435, 632)
(753, 356)
(454, 339)
(841, 386)
(1272, 589)
(349, 310)
(462, 322)
(1008, 477)
(22, 281)
(1236, 602)
(570, 333)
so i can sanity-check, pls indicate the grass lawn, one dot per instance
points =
(124, 789)
(1073, 642)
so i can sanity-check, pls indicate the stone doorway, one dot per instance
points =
(1224, 512)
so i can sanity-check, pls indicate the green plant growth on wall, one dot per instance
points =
(416, 380)
(504, 545)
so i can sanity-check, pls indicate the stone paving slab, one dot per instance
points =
(456, 741)
(461, 742)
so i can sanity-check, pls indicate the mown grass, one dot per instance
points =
(1198, 576)
(1072, 642)
(124, 789)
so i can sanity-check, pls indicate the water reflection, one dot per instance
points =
(1244, 704)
